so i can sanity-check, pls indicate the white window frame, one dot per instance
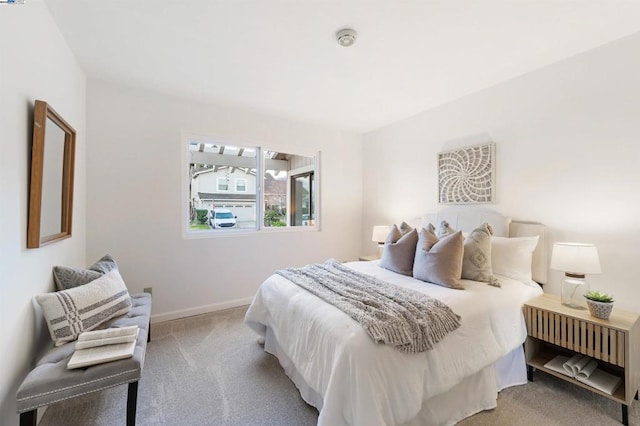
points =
(260, 170)
(245, 185)
(301, 171)
(223, 179)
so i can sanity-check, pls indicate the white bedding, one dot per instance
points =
(362, 383)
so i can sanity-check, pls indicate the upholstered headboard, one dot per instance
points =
(468, 220)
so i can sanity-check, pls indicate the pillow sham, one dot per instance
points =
(70, 312)
(476, 261)
(513, 257)
(405, 228)
(443, 229)
(399, 250)
(439, 261)
(66, 277)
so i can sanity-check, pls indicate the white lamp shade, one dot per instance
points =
(380, 233)
(577, 258)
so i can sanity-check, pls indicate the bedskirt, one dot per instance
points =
(474, 394)
(360, 383)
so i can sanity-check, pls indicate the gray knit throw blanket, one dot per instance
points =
(408, 320)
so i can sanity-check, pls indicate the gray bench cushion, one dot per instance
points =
(50, 381)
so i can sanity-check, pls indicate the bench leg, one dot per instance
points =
(132, 397)
(149, 333)
(625, 415)
(29, 418)
(529, 373)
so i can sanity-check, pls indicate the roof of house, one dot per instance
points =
(273, 186)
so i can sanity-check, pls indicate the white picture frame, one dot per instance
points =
(467, 175)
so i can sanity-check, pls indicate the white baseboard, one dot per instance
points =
(200, 310)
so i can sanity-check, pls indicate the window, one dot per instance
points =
(302, 205)
(223, 183)
(284, 204)
(241, 185)
(225, 192)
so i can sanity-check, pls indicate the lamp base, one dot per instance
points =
(574, 287)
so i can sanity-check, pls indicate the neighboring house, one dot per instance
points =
(237, 192)
(234, 190)
(275, 193)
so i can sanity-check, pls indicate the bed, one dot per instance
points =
(353, 381)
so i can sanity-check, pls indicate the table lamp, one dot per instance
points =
(576, 260)
(379, 235)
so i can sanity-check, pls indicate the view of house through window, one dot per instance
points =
(225, 192)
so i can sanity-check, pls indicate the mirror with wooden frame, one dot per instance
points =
(51, 187)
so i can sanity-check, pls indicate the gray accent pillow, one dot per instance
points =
(399, 250)
(104, 265)
(439, 261)
(70, 312)
(66, 278)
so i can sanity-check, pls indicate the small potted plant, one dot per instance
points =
(599, 304)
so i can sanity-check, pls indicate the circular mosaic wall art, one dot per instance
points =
(467, 176)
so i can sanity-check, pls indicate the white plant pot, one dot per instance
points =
(600, 310)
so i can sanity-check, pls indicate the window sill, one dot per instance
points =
(226, 233)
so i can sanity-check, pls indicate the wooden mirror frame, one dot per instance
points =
(43, 113)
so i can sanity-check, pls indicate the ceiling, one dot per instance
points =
(281, 57)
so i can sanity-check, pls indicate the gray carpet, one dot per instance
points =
(209, 370)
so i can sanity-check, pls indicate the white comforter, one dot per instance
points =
(363, 383)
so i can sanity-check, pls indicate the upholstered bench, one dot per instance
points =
(50, 381)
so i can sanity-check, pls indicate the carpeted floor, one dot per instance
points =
(209, 370)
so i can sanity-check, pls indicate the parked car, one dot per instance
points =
(222, 218)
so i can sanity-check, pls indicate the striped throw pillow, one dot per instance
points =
(70, 312)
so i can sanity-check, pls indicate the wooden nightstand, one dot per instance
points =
(555, 329)
(368, 258)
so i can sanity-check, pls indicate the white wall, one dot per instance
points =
(135, 203)
(567, 142)
(35, 63)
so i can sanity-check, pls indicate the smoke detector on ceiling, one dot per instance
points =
(346, 37)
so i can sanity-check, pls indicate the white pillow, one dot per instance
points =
(70, 312)
(512, 257)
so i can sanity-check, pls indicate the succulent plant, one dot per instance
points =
(596, 296)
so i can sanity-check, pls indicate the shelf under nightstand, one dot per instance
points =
(554, 329)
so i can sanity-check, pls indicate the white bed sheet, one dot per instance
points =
(363, 383)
